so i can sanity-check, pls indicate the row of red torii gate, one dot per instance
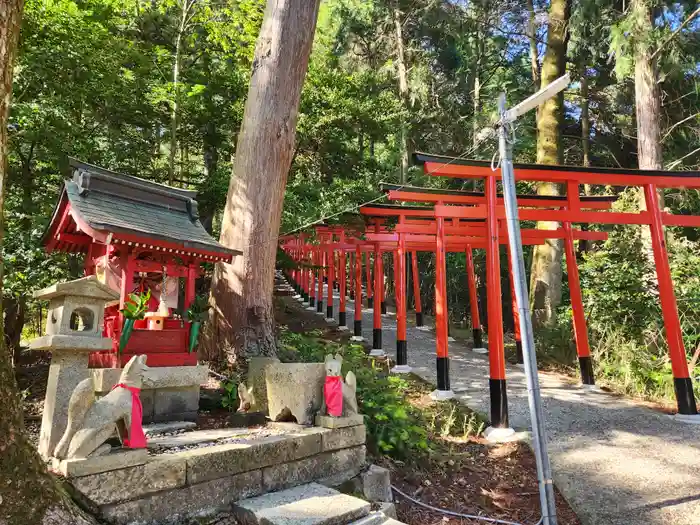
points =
(442, 221)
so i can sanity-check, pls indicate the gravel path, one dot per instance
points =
(616, 462)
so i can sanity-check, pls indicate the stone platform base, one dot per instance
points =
(168, 488)
(170, 393)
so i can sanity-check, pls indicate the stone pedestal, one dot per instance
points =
(74, 328)
(66, 371)
(170, 393)
(297, 387)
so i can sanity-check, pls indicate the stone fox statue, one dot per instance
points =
(348, 388)
(92, 421)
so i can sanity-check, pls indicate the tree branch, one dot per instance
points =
(678, 161)
(676, 32)
(678, 124)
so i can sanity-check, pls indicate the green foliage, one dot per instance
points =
(230, 398)
(199, 309)
(136, 305)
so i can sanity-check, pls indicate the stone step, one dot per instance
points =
(311, 504)
(164, 428)
(197, 437)
(377, 518)
(385, 515)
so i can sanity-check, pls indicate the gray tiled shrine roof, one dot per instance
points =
(114, 203)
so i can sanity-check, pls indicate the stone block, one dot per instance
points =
(133, 482)
(329, 468)
(171, 426)
(74, 343)
(339, 422)
(224, 460)
(147, 400)
(310, 504)
(176, 416)
(67, 369)
(73, 468)
(196, 437)
(154, 378)
(344, 437)
(256, 382)
(171, 401)
(376, 484)
(174, 506)
(297, 387)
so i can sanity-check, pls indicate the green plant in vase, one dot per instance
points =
(197, 313)
(135, 308)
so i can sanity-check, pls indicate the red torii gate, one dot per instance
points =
(440, 196)
(440, 237)
(572, 177)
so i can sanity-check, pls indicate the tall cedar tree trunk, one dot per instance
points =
(28, 494)
(243, 320)
(210, 143)
(403, 91)
(174, 112)
(546, 275)
(532, 37)
(585, 142)
(648, 108)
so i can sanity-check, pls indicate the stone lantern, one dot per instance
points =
(74, 325)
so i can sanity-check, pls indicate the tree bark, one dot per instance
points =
(648, 108)
(585, 121)
(585, 144)
(403, 92)
(532, 37)
(546, 275)
(243, 320)
(14, 311)
(174, 112)
(28, 494)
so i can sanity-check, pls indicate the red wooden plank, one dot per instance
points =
(690, 221)
(560, 176)
(411, 196)
(548, 215)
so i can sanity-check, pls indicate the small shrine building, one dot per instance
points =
(137, 235)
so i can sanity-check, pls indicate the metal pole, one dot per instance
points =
(539, 440)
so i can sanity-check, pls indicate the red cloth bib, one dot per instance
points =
(333, 394)
(136, 439)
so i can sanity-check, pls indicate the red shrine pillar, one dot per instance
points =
(357, 328)
(351, 276)
(416, 290)
(321, 266)
(331, 278)
(382, 290)
(312, 271)
(400, 285)
(682, 383)
(474, 303)
(579, 317)
(497, 366)
(368, 279)
(377, 349)
(342, 321)
(442, 358)
(516, 313)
